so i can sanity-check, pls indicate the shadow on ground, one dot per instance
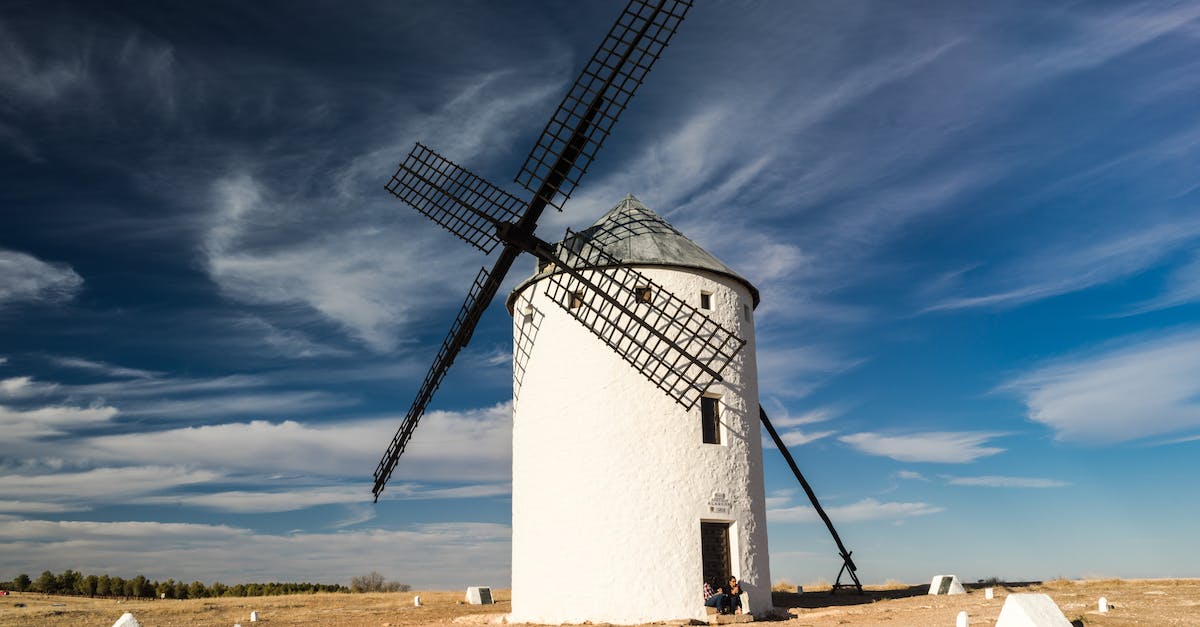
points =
(813, 600)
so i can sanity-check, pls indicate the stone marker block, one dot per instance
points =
(1031, 610)
(417, 601)
(989, 593)
(254, 617)
(962, 620)
(946, 584)
(479, 595)
(127, 620)
(1102, 605)
(799, 589)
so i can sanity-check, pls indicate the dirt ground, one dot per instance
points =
(1133, 602)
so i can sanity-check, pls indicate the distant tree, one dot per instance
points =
(181, 591)
(116, 586)
(137, 587)
(47, 583)
(90, 584)
(103, 586)
(65, 583)
(197, 590)
(21, 582)
(372, 582)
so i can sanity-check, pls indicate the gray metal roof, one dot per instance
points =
(637, 236)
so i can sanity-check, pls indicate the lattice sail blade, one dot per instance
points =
(587, 113)
(482, 291)
(461, 202)
(676, 346)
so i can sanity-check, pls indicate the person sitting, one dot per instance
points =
(726, 602)
(733, 600)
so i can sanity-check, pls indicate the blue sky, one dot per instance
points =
(974, 228)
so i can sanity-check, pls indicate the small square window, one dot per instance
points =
(576, 300)
(710, 419)
(706, 300)
(643, 294)
(746, 312)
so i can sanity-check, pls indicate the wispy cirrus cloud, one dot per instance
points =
(997, 481)
(27, 279)
(864, 510)
(1073, 267)
(1182, 288)
(100, 367)
(945, 447)
(795, 371)
(1128, 390)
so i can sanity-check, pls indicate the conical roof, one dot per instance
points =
(636, 236)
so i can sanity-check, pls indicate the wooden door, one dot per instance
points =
(714, 553)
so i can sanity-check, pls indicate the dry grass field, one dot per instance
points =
(1134, 602)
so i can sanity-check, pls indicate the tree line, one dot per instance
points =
(70, 582)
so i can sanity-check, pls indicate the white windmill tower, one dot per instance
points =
(624, 500)
(661, 505)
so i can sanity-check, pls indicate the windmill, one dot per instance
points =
(667, 340)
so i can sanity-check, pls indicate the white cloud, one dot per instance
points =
(796, 437)
(781, 418)
(864, 510)
(992, 481)
(26, 279)
(24, 387)
(910, 475)
(947, 447)
(259, 501)
(99, 485)
(1127, 391)
(37, 507)
(447, 446)
(431, 556)
(22, 424)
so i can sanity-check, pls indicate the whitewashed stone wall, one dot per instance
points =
(611, 478)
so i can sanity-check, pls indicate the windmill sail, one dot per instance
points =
(463, 203)
(587, 113)
(484, 215)
(478, 298)
(677, 347)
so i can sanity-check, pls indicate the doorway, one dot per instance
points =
(714, 552)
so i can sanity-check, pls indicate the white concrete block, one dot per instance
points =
(254, 617)
(962, 620)
(946, 584)
(127, 620)
(1031, 610)
(989, 593)
(417, 601)
(479, 595)
(1103, 605)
